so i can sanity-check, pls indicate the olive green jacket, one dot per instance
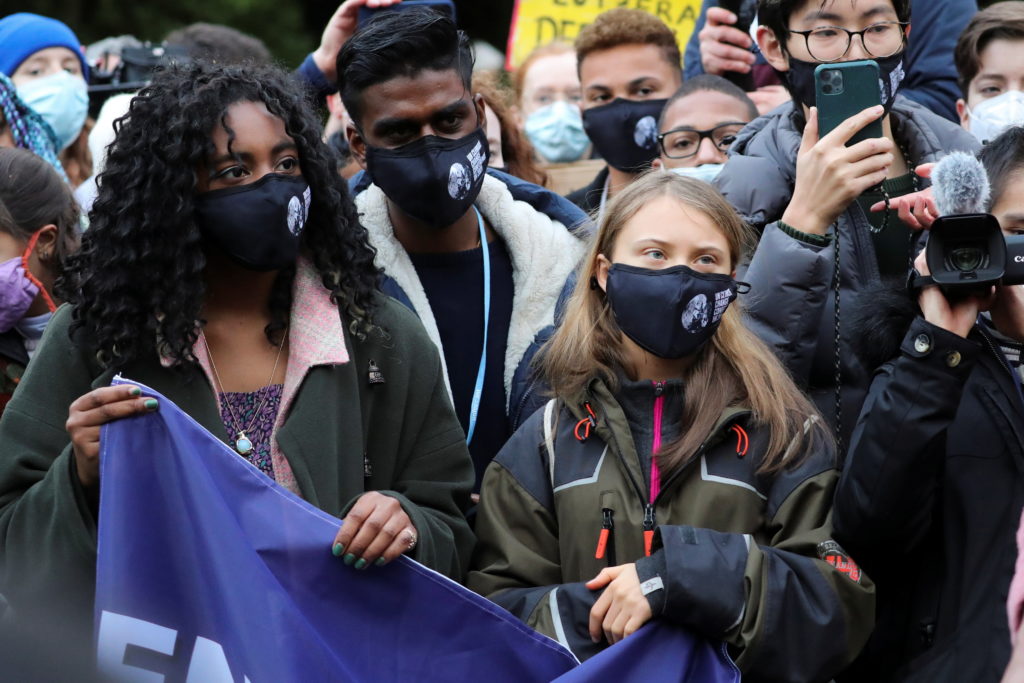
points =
(343, 436)
(741, 557)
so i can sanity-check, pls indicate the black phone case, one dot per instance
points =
(744, 19)
(844, 89)
(446, 7)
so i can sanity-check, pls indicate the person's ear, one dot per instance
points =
(517, 117)
(656, 164)
(961, 111)
(332, 101)
(356, 145)
(481, 110)
(772, 48)
(601, 272)
(46, 244)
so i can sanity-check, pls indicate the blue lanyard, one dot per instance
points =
(474, 406)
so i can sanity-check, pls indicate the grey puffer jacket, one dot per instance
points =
(791, 305)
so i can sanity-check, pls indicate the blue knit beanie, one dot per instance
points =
(23, 34)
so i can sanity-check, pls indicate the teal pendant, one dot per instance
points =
(242, 444)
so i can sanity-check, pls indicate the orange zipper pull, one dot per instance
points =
(606, 531)
(648, 529)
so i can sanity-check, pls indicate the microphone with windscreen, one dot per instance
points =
(966, 248)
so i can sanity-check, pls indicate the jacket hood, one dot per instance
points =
(544, 254)
(879, 318)
(599, 395)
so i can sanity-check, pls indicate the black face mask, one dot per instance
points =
(625, 132)
(435, 180)
(258, 225)
(671, 312)
(800, 79)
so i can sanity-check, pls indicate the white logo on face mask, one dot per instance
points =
(645, 134)
(298, 212)
(461, 178)
(459, 181)
(695, 316)
(477, 160)
(722, 301)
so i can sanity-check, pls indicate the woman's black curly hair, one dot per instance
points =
(138, 279)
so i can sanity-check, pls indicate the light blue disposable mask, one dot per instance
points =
(62, 100)
(705, 172)
(556, 132)
(32, 328)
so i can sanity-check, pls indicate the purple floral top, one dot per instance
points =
(241, 406)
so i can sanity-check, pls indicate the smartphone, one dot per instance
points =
(445, 7)
(745, 13)
(843, 90)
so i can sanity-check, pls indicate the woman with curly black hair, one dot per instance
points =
(225, 267)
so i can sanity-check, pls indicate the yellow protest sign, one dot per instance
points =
(539, 22)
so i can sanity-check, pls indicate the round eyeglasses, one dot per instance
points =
(831, 43)
(684, 142)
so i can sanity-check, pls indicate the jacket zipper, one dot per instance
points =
(639, 489)
(659, 408)
(649, 517)
(999, 356)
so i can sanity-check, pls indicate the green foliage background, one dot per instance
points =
(290, 28)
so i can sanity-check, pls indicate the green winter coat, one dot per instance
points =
(342, 437)
(743, 557)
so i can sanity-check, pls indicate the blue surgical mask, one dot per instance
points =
(33, 327)
(62, 100)
(556, 132)
(705, 172)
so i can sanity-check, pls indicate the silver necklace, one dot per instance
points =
(242, 442)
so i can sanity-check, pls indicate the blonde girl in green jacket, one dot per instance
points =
(678, 473)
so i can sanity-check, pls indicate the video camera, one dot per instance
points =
(966, 247)
(133, 71)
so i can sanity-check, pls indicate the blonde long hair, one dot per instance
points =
(736, 368)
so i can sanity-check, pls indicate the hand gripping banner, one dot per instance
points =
(208, 572)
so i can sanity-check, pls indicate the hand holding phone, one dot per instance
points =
(830, 174)
(725, 44)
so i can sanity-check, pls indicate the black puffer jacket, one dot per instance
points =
(928, 504)
(791, 305)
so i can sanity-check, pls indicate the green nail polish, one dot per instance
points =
(135, 391)
(379, 562)
(360, 563)
(151, 404)
(338, 549)
(349, 558)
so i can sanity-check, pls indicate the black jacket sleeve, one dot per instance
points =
(887, 494)
(786, 599)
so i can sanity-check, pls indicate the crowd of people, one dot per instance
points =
(714, 384)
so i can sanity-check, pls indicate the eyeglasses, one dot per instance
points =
(684, 142)
(831, 43)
